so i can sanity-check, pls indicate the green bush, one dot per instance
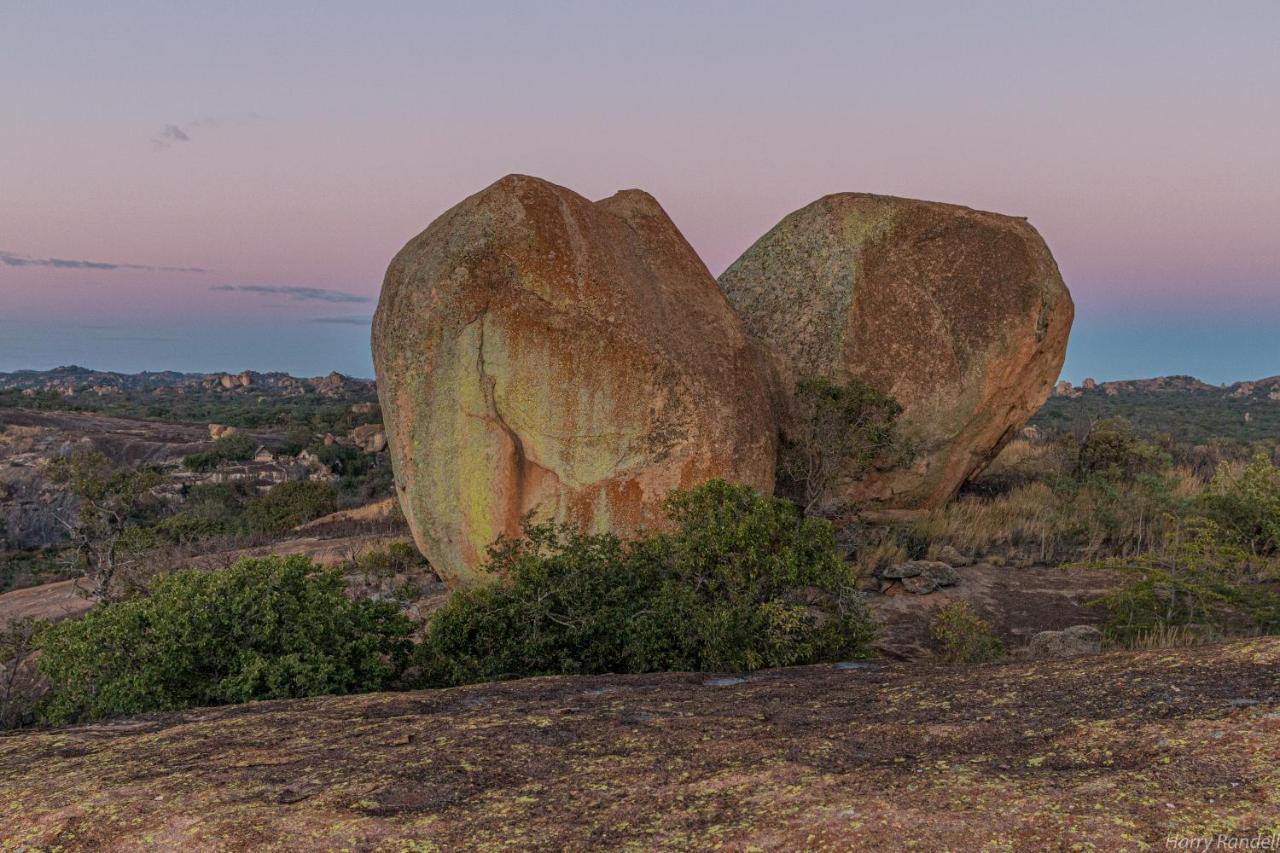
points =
(289, 504)
(1249, 505)
(384, 562)
(1112, 449)
(741, 582)
(838, 433)
(962, 636)
(236, 447)
(271, 628)
(1196, 577)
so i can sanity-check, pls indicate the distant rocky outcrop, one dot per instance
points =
(960, 315)
(371, 438)
(74, 381)
(538, 352)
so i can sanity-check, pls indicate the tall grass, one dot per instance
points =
(1030, 507)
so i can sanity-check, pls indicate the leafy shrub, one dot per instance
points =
(1197, 577)
(1112, 449)
(1248, 504)
(962, 636)
(741, 582)
(271, 628)
(236, 447)
(289, 504)
(838, 434)
(395, 558)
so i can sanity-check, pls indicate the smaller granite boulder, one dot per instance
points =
(921, 584)
(900, 571)
(371, 438)
(951, 556)
(940, 573)
(1070, 642)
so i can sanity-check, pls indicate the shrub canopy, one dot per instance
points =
(272, 628)
(741, 582)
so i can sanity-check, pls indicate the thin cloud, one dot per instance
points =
(174, 134)
(170, 136)
(343, 321)
(11, 259)
(302, 294)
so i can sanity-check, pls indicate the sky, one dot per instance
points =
(220, 186)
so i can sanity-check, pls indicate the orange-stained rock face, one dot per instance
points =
(537, 352)
(959, 314)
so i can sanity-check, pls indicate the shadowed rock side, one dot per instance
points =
(539, 352)
(959, 314)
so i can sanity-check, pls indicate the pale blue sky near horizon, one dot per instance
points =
(210, 187)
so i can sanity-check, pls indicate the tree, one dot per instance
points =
(1113, 450)
(290, 504)
(838, 434)
(106, 535)
(19, 684)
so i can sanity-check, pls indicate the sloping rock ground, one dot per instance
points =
(66, 599)
(1104, 751)
(51, 601)
(1018, 602)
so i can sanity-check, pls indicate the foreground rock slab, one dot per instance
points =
(1102, 752)
(538, 352)
(960, 315)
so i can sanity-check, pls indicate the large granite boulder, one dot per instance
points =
(538, 352)
(958, 314)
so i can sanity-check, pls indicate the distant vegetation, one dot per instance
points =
(275, 402)
(1191, 417)
(237, 447)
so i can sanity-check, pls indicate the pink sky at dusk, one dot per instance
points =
(310, 142)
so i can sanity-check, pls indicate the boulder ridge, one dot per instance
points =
(540, 353)
(960, 315)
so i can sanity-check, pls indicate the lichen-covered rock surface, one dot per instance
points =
(960, 315)
(538, 352)
(1116, 751)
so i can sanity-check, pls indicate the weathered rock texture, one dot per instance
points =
(960, 315)
(539, 352)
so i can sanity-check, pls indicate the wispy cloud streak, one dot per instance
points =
(173, 134)
(343, 321)
(306, 294)
(11, 259)
(169, 136)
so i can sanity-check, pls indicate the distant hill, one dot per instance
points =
(1181, 406)
(72, 380)
(246, 399)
